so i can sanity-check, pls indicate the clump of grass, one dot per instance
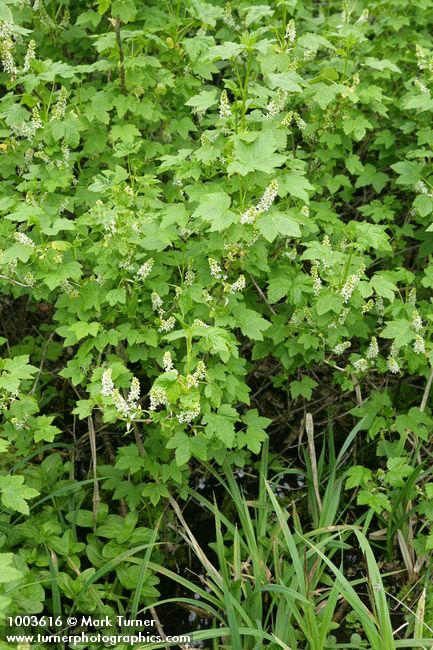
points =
(276, 586)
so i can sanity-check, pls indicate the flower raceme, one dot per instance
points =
(126, 408)
(264, 204)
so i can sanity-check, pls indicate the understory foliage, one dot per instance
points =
(215, 220)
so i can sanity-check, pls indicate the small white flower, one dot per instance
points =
(264, 204)
(317, 285)
(186, 417)
(122, 407)
(290, 34)
(380, 306)
(268, 197)
(107, 383)
(30, 279)
(200, 371)
(412, 296)
(23, 239)
(167, 362)
(215, 269)
(368, 306)
(341, 347)
(393, 365)
(249, 216)
(145, 269)
(189, 276)
(361, 365)
(30, 55)
(167, 325)
(348, 287)
(416, 321)
(134, 392)
(60, 107)
(419, 345)
(158, 397)
(364, 16)
(373, 349)
(421, 187)
(191, 381)
(239, 285)
(156, 301)
(300, 123)
(225, 110)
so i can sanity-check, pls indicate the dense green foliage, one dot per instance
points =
(215, 219)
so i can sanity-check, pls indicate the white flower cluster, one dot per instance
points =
(343, 315)
(392, 365)
(380, 307)
(145, 269)
(206, 296)
(373, 349)
(361, 365)
(420, 85)
(41, 155)
(28, 129)
(167, 362)
(107, 383)
(341, 347)
(277, 104)
(368, 306)
(30, 55)
(189, 276)
(423, 62)
(305, 211)
(60, 107)
(239, 285)
(419, 345)
(215, 269)
(355, 82)
(290, 35)
(134, 392)
(416, 321)
(421, 188)
(126, 408)
(186, 417)
(294, 116)
(156, 301)
(7, 47)
(69, 289)
(167, 324)
(23, 239)
(192, 381)
(228, 18)
(157, 397)
(350, 284)
(317, 282)
(225, 110)
(364, 16)
(264, 204)
(309, 55)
